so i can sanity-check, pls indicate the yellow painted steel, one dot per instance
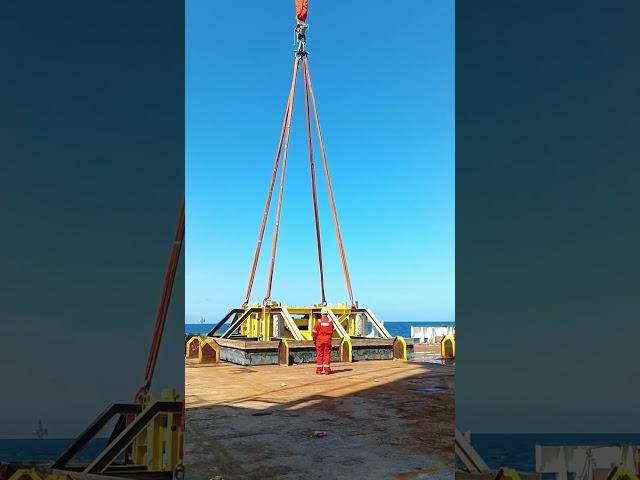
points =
(211, 343)
(507, 474)
(176, 438)
(259, 325)
(283, 352)
(158, 445)
(157, 430)
(265, 334)
(255, 325)
(192, 345)
(32, 473)
(403, 345)
(139, 448)
(621, 473)
(351, 325)
(346, 350)
(23, 473)
(443, 347)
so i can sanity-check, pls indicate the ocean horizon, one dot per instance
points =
(515, 451)
(45, 450)
(395, 328)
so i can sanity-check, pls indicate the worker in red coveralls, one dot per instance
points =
(322, 332)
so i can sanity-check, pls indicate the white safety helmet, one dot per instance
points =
(324, 311)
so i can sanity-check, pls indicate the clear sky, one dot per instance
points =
(383, 76)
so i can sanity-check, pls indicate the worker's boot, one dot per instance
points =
(319, 370)
(327, 370)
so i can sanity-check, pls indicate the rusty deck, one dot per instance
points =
(383, 419)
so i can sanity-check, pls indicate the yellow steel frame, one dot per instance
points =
(507, 474)
(346, 350)
(210, 343)
(256, 322)
(190, 347)
(33, 474)
(620, 472)
(402, 343)
(158, 446)
(22, 473)
(259, 325)
(443, 347)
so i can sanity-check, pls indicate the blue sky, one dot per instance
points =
(383, 77)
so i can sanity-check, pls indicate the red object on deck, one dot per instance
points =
(302, 6)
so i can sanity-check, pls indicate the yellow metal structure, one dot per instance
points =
(208, 351)
(255, 332)
(159, 445)
(507, 474)
(283, 352)
(275, 321)
(400, 348)
(448, 347)
(346, 350)
(193, 347)
(25, 473)
(621, 473)
(149, 431)
(259, 325)
(32, 473)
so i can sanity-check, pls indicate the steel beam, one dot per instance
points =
(94, 429)
(338, 326)
(468, 455)
(141, 421)
(377, 324)
(224, 320)
(290, 323)
(239, 321)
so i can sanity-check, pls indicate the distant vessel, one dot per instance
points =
(40, 431)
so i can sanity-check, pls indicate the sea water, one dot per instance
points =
(517, 451)
(402, 329)
(45, 450)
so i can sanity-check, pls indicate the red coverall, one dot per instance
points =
(321, 333)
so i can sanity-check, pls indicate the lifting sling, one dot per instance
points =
(280, 162)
